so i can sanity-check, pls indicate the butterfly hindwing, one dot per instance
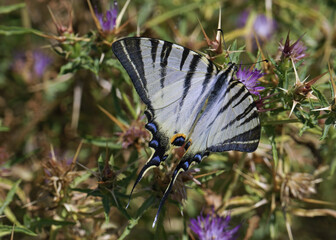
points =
(230, 123)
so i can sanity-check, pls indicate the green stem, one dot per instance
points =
(278, 122)
(129, 106)
(231, 187)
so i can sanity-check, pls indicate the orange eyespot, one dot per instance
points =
(178, 139)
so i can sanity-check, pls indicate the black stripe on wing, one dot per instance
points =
(185, 54)
(165, 52)
(208, 76)
(187, 82)
(154, 44)
(223, 81)
(233, 98)
(250, 108)
(245, 142)
(128, 52)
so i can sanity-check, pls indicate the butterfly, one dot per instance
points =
(189, 102)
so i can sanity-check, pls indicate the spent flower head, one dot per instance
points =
(250, 79)
(212, 227)
(63, 28)
(108, 20)
(134, 135)
(295, 51)
(298, 186)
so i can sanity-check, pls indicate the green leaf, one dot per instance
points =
(39, 223)
(172, 13)
(145, 12)
(4, 129)
(320, 97)
(11, 8)
(70, 67)
(6, 230)
(53, 88)
(107, 207)
(328, 123)
(145, 206)
(208, 177)
(116, 64)
(13, 30)
(103, 142)
(80, 179)
(9, 196)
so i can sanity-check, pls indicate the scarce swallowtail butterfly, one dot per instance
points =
(189, 102)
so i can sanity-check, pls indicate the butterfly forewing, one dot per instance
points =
(172, 81)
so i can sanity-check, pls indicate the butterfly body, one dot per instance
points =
(189, 103)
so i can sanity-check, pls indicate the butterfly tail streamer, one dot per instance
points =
(153, 162)
(183, 166)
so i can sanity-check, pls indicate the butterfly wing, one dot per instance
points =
(173, 82)
(229, 121)
(187, 99)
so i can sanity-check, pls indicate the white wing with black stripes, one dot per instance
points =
(189, 103)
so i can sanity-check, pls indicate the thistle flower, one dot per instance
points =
(243, 16)
(250, 79)
(294, 51)
(41, 62)
(108, 21)
(264, 27)
(31, 65)
(213, 227)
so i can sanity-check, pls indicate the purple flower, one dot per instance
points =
(250, 79)
(31, 64)
(243, 18)
(41, 62)
(295, 51)
(108, 21)
(213, 227)
(264, 26)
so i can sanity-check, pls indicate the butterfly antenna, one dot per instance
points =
(181, 167)
(153, 162)
(219, 35)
